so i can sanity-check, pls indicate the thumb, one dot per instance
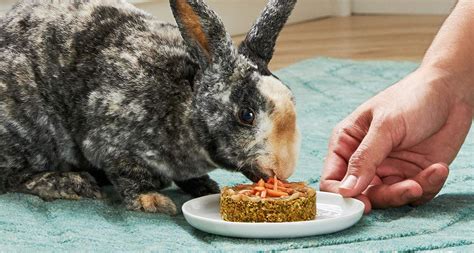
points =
(373, 149)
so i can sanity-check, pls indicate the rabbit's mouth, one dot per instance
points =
(255, 174)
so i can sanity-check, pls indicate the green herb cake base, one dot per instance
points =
(241, 208)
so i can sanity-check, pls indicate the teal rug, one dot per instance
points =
(326, 91)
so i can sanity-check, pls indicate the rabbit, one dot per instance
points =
(101, 89)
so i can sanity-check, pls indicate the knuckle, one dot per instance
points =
(326, 186)
(388, 124)
(336, 130)
(382, 125)
(359, 161)
(336, 134)
(342, 134)
(342, 127)
(323, 185)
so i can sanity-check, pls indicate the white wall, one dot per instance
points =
(305, 8)
(238, 15)
(402, 6)
(5, 5)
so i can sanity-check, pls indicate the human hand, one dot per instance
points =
(395, 148)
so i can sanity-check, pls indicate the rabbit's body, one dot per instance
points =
(95, 87)
(64, 66)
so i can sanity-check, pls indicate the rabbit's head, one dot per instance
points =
(243, 114)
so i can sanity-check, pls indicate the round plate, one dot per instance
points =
(334, 213)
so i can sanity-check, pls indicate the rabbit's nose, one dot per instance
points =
(272, 165)
(284, 173)
(268, 171)
(284, 167)
(265, 166)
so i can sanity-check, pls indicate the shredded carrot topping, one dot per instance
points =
(275, 183)
(273, 187)
(259, 188)
(273, 193)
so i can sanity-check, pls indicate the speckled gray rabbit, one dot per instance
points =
(97, 88)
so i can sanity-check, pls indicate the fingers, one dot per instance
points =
(397, 194)
(431, 180)
(329, 185)
(392, 167)
(334, 170)
(418, 190)
(362, 165)
(392, 180)
(341, 146)
(366, 201)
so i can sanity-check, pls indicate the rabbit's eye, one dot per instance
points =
(247, 116)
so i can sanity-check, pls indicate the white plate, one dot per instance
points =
(334, 213)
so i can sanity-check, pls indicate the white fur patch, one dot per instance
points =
(3, 130)
(275, 91)
(150, 130)
(94, 97)
(135, 109)
(264, 127)
(87, 143)
(152, 159)
(130, 58)
(225, 96)
(114, 100)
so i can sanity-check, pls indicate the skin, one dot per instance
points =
(395, 148)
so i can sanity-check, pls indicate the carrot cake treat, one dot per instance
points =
(271, 201)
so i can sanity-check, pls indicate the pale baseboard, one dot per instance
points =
(402, 6)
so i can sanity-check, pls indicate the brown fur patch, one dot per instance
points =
(154, 202)
(62, 185)
(193, 25)
(283, 137)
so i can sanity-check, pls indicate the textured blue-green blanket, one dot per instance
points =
(326, 90)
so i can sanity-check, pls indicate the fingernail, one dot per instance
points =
(436, 178)
(349, 182)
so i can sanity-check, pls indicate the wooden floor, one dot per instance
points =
(357, 37)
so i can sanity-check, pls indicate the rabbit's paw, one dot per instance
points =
(62, 185)
(161, 182)
(153, 203)
(210, 187)
(200, 186)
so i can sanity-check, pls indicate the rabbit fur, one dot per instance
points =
(100, 90)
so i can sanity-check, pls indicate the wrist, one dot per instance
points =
(456, 83)
(450, 57)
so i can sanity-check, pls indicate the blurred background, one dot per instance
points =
(356, 29)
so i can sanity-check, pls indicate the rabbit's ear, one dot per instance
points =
(203, 31)
(260, 41)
